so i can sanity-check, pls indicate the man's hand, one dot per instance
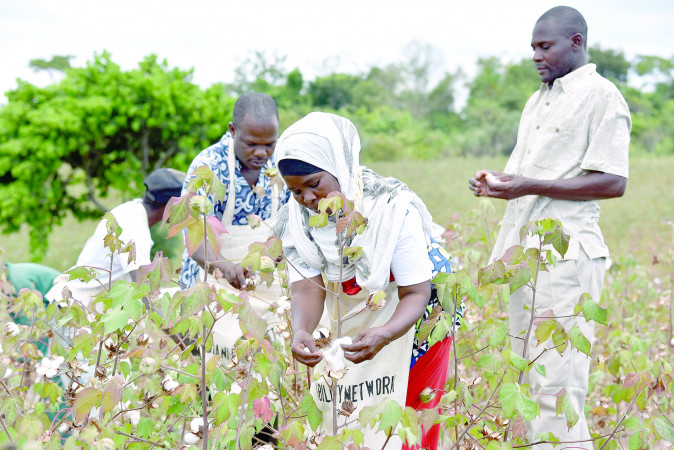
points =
(491, 183)
(304, 349)
(234, 273)
(367, 344)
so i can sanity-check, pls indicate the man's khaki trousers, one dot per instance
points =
(558, 290)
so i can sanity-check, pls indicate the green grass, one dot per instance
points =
(633, 225)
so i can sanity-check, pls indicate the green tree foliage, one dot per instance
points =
(653, 107)
(65, 146)
(101, 127)
(58, 63)
(610, 63)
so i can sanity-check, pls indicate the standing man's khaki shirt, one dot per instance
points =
(582, 123)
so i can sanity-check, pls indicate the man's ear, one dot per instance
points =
(232, 128)
(577, 41)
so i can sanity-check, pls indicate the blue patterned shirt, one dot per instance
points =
(215, 157)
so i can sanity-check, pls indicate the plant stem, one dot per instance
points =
(243, 403)
(204, 400)
(154, 444)
(387, 439)
(456, 360)
(334, 407)
(100, 350)
(4, 427)
(617, 427)
(30, 338)
(671, 305)
(477, 416)
(533, 308)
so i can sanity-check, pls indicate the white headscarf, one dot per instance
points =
(331, 143)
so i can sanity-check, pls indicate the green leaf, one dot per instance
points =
(519, 276)
(493, 273)
(544, 329)
(194, 236)
(115, 319)
(517, 361)
(330, 443)
(144, 427)
(188, 392)
(513, 400)
(664, 429)
(86, 399)
(390, 416)
(540, 368)
(579, 341)
(319, 220)
(591, 310)
(218, 379)
(252, 325)
(564, 406)
(314, 415)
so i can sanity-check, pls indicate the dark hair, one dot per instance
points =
(296, 167)
(569, 20)
(260, 105)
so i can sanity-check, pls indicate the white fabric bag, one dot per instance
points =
(370, 382)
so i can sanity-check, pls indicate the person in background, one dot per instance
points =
(239, 161)
(572, 151)
(33, 276)
(135, 218)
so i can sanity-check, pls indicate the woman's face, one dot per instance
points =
(308, 190)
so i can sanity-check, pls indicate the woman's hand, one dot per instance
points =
(367, 344)
(304, 349)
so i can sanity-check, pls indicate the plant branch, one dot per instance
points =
(154, 444)
(243, 403)
(617, 427)
(477, 416)
(4, 427)
(204, 400)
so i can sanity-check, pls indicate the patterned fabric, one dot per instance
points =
(215, 157)
(441, 264)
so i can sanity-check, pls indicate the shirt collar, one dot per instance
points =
(567, 82)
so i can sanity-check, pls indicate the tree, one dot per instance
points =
(610, 63)
(57, 63)
(64, 147)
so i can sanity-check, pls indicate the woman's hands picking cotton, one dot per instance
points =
(304, 349)
(367, 344)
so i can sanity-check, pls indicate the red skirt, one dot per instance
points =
(429, 371)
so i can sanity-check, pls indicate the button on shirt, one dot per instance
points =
(582, 123)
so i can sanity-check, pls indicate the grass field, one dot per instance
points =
(634, 225)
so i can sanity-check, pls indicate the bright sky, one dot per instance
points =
(318, 36)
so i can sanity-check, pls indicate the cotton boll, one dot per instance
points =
(492, 180)
(334, 356)
(191, 438)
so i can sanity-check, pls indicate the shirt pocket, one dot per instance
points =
(560, 148)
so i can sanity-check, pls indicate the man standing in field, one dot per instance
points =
(239, 161)
(135, 217)
(571, 151)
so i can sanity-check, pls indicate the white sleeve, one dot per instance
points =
(300, 273)
(410, 264)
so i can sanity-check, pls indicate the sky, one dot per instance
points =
(317, 36)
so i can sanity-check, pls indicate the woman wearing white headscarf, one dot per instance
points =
(317, 155)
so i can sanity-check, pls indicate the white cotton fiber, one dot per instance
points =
(335, 355)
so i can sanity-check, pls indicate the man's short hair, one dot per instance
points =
(260, 105)
(570, 21)
(161, 185)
